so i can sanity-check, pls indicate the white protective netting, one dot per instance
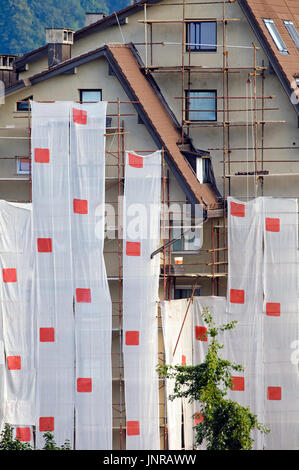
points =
(141, 211)
(263, 297)
(72, 300)
(17, 325)
(177, 334)
(53, 287)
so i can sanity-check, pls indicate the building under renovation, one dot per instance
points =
(189, 110)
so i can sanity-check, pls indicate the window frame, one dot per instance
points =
(275, 35)
(82, 90)
(18, 104)
(291, 29)
(19, 171)
(200, 47)
(188, 111)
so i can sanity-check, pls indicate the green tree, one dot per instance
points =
(50, 443)
(23, 22)
(16, 21)
(8, 442)
(226, 425)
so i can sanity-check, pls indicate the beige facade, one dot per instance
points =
(235, 137)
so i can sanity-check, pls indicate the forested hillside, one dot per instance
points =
(23, 22)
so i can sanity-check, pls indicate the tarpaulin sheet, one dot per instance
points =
(281, 322)
(93, 308)
(268, 318)
(17, 341)
(172, 318)
(245, 256)
(141, 211)
(53, 276)
(72, 299)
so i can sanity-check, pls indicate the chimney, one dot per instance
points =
(7, 72)
(59, 42)
(93, 17)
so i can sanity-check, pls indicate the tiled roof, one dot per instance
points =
(161, 121)
(278, 10)
(153, 107)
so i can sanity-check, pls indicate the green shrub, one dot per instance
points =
(8, 442)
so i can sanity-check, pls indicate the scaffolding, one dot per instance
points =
(254, 105)
(210, 265)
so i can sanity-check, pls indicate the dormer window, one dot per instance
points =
(292, 32)
(275, 35)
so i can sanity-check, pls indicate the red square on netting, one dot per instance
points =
(132, 338)
(133, 428)
(46, 423)
(80, 206)
(47, 335)
(44, 245)
(237, 296)
(198, 418)
(13, 362)
(274, 393)
(23, 434)
(200, 333)
(273, 309)
(9, 275)
(83, 295)
(79, 116)
(237, 210)
(133, 248)
(238, 384)
(135, 160)
(272, 225)
(84, 385)
(41, 155)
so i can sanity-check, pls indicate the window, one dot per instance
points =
(90, 95)
(292, 32)
(190, 241)
(201, 105)
(276, 36)
(24, 104)
(23, 166)
(185, 292)
(201, 36)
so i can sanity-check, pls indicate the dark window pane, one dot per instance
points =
(24, 105)
(185, 293)
(208, 36)
(201, 36)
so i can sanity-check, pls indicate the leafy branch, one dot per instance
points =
(225, 424)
